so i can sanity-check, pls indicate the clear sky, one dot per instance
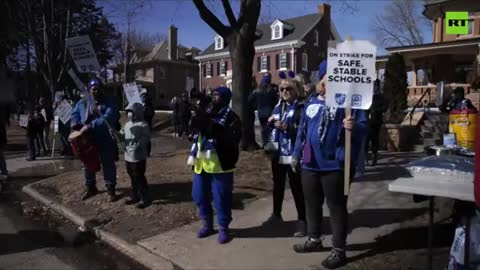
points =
(192, 31)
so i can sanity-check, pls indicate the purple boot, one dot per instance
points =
(223, 236)
(205, 231)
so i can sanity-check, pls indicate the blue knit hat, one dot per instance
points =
(266, 80)
(322, 70)
(225, 93)
(95, 82)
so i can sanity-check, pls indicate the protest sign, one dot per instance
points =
(132, 93)
(64, 111)
(23, 122)
(351, 74)
(350, 80)
(83, 55)
(55, 124)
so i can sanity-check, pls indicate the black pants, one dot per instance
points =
(40, 143)
(31, 146)
(280, 172)
(318, 186)
(136, 171)
(373, 138)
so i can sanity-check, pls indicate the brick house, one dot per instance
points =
(168, 70)
(451, 59)
(298, 44)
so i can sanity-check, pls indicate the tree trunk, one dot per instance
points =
(242, 52)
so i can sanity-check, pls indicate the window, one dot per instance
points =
(315, 36)
(276, 33)
(209, 70)
(304, 61)
(223, 70)
(470, 27)
(283, 61)
(264, 64)
(218, 43)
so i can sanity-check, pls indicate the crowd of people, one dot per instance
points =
(302, 135)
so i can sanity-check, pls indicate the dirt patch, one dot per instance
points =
(170, 181)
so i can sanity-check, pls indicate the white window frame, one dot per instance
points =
(316, 38)
(219, 43)
(304, 61)
(285, 66)
(263, 60)
(471, 21)
(223, 72)
(208, 70)
(274, 25)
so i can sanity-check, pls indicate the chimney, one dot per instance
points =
(324, 12)
(172, 43)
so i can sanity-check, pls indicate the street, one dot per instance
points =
(30, 242)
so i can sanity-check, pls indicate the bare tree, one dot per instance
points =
(240, 37)
(400, 24)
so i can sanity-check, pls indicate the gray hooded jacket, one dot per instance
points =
(136, 135)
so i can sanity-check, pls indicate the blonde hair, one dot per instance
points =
(295, 85)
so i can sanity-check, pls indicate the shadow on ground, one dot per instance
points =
(362, 218)
(24, 241)
(172, 193)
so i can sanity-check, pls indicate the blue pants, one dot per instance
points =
(221, 185)
(107, 159)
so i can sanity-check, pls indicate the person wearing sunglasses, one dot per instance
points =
(284, 121)
(320, 147)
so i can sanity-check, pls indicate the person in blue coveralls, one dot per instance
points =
(90, 118)
(214, 155)
(285, 120)
(320, 147)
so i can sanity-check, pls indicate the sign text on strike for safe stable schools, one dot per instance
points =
(348, 70)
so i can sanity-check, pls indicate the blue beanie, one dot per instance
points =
(322, 69)
(266, 80)
(95, 82)
(225, 93)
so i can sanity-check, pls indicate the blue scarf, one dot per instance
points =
(207, 145)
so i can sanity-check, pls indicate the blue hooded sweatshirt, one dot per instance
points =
(97, 129)
(320, 142)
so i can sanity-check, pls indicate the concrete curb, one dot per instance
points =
(133, 251)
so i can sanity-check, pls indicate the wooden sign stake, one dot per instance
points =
(348, 145)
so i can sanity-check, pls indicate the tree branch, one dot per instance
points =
(229, 12)
(212, 21)
(248, 18)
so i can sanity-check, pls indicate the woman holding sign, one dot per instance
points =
(320, 146)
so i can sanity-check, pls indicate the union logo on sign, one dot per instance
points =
(340, 98)
(356, 100)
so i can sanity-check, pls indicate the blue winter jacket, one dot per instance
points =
(97, 129)
(285, 139)
(320, 142)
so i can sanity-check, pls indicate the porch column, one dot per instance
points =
(414, 79)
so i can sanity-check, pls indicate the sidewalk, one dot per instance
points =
(388, 230)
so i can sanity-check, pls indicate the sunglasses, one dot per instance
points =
(286, 88)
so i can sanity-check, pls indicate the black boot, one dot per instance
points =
(336, 259)
(146, 201)
(112, 197)
(91, 191)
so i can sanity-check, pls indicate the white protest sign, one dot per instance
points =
(350, 74)
(82, 52)
(23, 122)
(55, 124)
(131, 91)
(64, 111)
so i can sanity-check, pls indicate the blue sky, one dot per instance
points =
(192, 31)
